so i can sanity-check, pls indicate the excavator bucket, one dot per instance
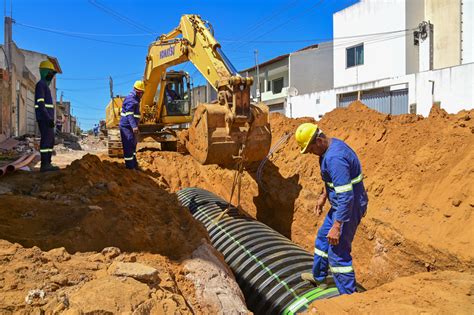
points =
(212, 141)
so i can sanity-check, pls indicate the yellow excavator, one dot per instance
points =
(228, 130)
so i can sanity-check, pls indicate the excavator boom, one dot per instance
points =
(220, 133)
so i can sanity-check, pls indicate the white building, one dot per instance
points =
(399, 56)
(281, 78)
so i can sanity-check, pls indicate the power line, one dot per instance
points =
(121, 17)
(43, 29)
(287, 21)
(97, 88)
(102, 78)
(89, 119)
(317, 39)
(95, 34)
(271, 16)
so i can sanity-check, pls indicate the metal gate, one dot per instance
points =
(346, 99)
(399, 102)
(388, 102)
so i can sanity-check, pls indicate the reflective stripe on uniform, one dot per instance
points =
(46, 150)
(345, 269)
(128, 158)
(348, 187)
(358, 179)
(36, 106)
(137, 116)
(320, 253)
(126, 113)
(343, 188)
(40, 100)
(49, 105)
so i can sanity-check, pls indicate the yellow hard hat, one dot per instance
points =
(139, 85)
(47, 65)
(304, 135)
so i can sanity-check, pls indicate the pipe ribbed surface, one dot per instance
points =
(266, 264)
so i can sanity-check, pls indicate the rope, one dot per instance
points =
(275, 147)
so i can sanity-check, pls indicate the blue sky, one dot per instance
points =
(88, 60)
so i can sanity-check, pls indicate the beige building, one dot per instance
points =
(452, 31)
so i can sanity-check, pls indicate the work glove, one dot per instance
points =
(51, 123)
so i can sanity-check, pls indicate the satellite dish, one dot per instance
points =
(292, 91)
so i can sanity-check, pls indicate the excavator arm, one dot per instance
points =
(218, 131)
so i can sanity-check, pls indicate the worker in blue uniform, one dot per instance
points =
(44, 109)
(342, 173)
(130, 117)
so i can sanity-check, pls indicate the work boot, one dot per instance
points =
(48, 168)
(307, 276)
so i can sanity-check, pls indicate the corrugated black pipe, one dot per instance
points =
(266, 264)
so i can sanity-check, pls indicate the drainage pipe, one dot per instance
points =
(9, 167)
(266, 264)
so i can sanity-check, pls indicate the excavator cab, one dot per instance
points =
(177, 94)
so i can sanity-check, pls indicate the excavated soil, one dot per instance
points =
(413, 250)
(419, 174)
(63, 234)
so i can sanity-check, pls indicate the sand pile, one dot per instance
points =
(92, 205)
(98, 238)
(419, 173)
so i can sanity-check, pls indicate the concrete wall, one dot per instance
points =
(467, 27)
(5, 105)
(445, 15)
(311, 70)
(453, 88)
(314, 104)
(384, 55)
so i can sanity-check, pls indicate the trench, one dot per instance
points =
(267, 265)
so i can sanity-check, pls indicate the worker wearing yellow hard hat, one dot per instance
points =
(341, 172)
(45, 116)
(129, 120)
(305, 134)
(139, 86)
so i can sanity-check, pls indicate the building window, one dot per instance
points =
(355, 56)
(269, 86)
(277, 85)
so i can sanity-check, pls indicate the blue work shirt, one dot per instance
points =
(342, 173)
(130, 115)
(44, 107)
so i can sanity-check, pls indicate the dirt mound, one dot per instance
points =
(53, 281)
(97, 238)
(94, 204)
(444, 292)
(418, 172)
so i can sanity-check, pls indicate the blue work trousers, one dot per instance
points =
(337, 258)
(129, 143)
(46, 142)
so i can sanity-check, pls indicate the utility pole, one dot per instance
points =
(8, 40)
(8, 56)
(259, 95)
